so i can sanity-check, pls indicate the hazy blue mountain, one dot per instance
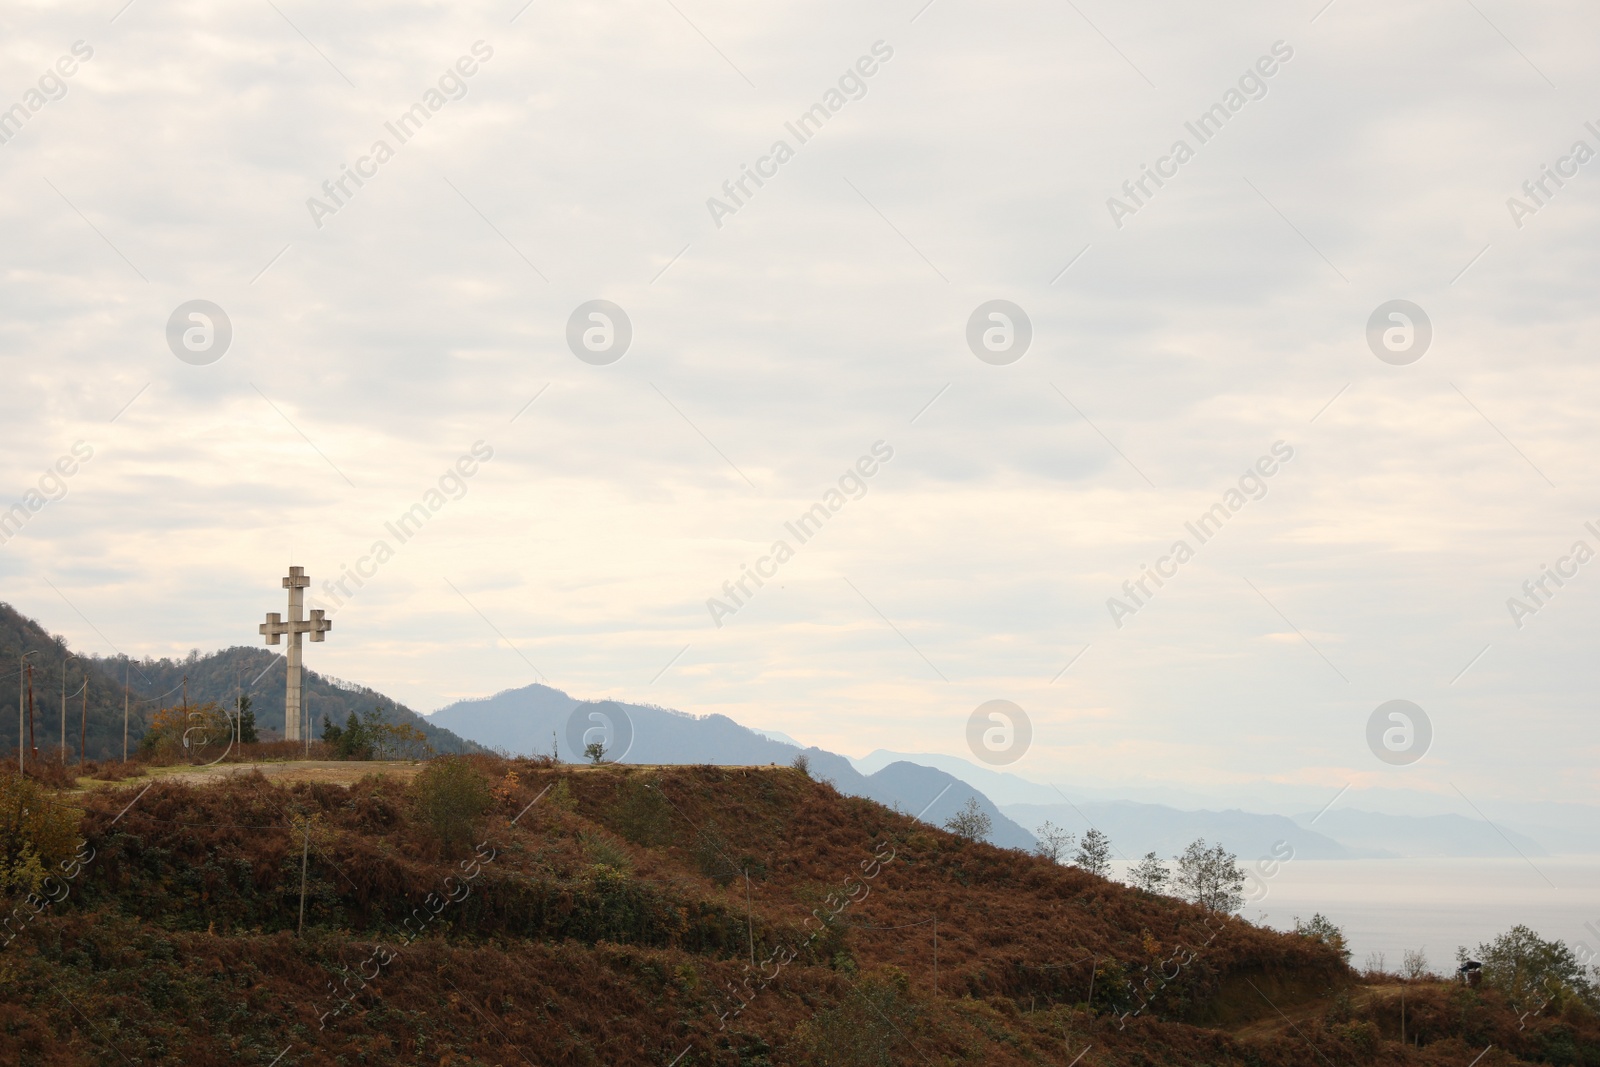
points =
(1426, 835)
(1136, 828)
(1000, 786)
(539, 719)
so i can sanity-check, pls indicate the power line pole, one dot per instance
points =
(33, 748)
(83, 724)
(64, 665)
(21, 658)
(125, 665)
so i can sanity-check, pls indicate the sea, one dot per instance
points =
(1386, 907)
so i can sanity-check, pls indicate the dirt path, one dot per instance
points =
(1305, 1015)
(336, 772)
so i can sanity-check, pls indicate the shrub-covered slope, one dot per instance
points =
(695, 915)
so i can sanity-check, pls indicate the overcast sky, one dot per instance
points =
(380, 332)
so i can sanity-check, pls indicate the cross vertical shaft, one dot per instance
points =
(276, 627)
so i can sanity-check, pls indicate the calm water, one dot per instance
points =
(1389, 906)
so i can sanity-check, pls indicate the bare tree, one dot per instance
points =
(1055, 844)
(971, 822)
(1210, 877)
(1415, 963)
(1094, 853)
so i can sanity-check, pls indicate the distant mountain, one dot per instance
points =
(1424, 836)
(539, 719)
(1000, 786)
(1136, 828)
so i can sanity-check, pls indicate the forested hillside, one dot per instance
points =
(153, 684)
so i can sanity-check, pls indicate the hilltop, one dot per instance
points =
(615, 921)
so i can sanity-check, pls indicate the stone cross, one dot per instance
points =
(275, 627)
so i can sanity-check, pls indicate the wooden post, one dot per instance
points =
(83, 723)
(749, 919)
(125, 712)
(935, 953)
(305, 854)
(34, 749)
(1093, 966)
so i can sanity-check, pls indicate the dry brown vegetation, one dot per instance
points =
(607, 924)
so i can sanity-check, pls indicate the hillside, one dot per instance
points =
(260, 673)
(157, 683)
(612, 922)
(540, 719)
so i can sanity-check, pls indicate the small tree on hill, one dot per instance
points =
(971, 822)
(1530, 970)
(1323, 929)
(247, 723)
(802, 763)
(1055, 844)
(1150, 874)
(596, 751)
(1210, 877)
(1094, 853)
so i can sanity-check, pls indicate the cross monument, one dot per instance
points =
(275, 627)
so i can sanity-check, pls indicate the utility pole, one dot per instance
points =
(33, 748)
(64, 665)
(22, 688)
(83, 723)
(125, 665)
(305, 854)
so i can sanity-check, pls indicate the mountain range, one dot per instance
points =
(538, 718)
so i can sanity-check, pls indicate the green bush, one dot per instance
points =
(451, 797)
(36, 833)
(641, 814)
(855, 1033)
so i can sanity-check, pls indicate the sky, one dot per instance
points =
(361, 348)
